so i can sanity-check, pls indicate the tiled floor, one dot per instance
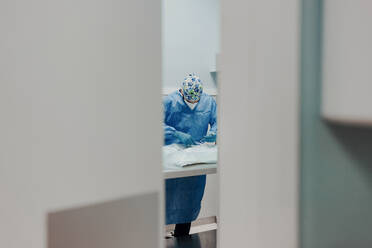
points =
(198, 240)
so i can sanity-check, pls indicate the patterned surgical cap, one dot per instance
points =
(192, 87)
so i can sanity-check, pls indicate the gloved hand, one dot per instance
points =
(210, 137)
(185, 138)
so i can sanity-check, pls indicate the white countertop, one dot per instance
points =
(190, 170)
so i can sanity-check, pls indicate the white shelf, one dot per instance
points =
(191, 170)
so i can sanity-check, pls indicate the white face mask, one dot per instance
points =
(191, 105)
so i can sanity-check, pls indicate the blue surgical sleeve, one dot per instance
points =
(213, 118)
(169, 131)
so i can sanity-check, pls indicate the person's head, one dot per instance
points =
(192, 88)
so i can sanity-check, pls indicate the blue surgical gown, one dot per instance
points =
(184, 195)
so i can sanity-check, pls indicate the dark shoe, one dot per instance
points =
(182, 229)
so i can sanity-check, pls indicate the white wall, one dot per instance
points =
(190, 40)
(210, 198)
(347, 52)
(73, 129)
(258, 138)
(190, 44)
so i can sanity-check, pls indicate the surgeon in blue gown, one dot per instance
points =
(188, 113)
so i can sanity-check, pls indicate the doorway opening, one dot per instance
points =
(190, 48)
